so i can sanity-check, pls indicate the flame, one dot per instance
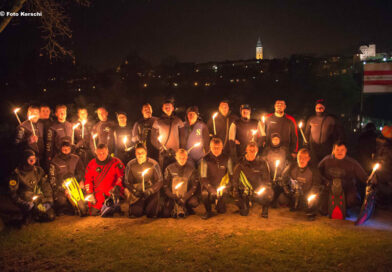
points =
(88, 198)
(16, 110)
(300, 125)
(76, 125)
(197, 144)
(254, 131)
(259, 192)
(277, 162)
(311, 197)
(178, 185)
(263, 118)
(95, 135)
(220, 189)
(32, 116)
(84, 122)
(376, 166)
(160, 138)
(125, 139)
(35, 197)
(214, 116)
(145, 172)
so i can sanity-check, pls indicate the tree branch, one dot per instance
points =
(18, 4)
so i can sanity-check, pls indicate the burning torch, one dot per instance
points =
(195, 145)
(277, 162)
(66, 185)
(254, 132)
(83, 123)
(31, 123)
(125, 139)
(16, 114)
(178, 187)
(262, 124)
(179, 208)
(219, 193)
(143, 174)
(375, 167)
(73, 133)
(302, 133)
(160, 140)
(95, 143)
(88, 198)
(311, 198)
(213, 122)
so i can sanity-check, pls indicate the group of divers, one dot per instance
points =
(165, 167)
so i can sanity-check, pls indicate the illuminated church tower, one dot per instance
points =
(259, 50)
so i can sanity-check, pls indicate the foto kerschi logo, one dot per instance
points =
(20, 14)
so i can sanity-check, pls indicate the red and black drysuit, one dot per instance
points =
(147, 201)
(100, 179)
(187, 178)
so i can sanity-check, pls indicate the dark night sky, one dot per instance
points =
(201, 31)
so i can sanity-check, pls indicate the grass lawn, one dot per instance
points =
(284, 242)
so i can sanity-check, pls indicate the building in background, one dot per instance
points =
(259, 50)
(367, 51)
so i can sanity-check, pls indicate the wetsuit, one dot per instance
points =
(147, 201)
(250, 177)
(183, 198)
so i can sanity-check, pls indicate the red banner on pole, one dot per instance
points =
(377, 78)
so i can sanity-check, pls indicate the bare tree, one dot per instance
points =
(54, 23)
